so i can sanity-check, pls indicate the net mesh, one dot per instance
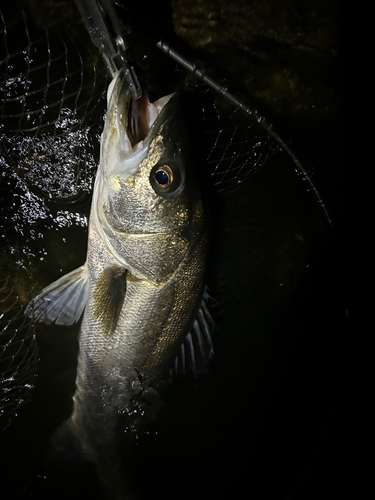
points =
(50, 95)
(18, 347)
(237, 146)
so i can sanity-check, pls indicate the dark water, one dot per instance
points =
(270, 416)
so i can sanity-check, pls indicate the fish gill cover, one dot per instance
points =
(268, 235)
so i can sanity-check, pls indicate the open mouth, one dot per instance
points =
(129, 124)
(141, 116)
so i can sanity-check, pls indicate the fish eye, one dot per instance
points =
(163, 177)
(166, 180)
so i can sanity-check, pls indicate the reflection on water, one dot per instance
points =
(257, 419)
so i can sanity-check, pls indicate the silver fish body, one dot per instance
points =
(142, 284)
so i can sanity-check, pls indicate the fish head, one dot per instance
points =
(147, 205)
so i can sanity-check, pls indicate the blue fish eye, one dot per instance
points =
(165, 179)
(161, 177)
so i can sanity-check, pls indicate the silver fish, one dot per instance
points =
(141, 290)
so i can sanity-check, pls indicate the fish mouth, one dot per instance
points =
(128, 126)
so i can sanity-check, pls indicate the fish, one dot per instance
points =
(141, 292)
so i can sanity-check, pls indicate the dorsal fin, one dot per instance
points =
(197, 349)
(63, 301)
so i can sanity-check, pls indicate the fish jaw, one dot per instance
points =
(125, 137)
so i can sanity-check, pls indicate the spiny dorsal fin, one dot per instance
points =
(197, 349)
(109, 295)
(63, 301)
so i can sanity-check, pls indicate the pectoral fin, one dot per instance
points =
(63, 301)
(197, 349)
(109, 295)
